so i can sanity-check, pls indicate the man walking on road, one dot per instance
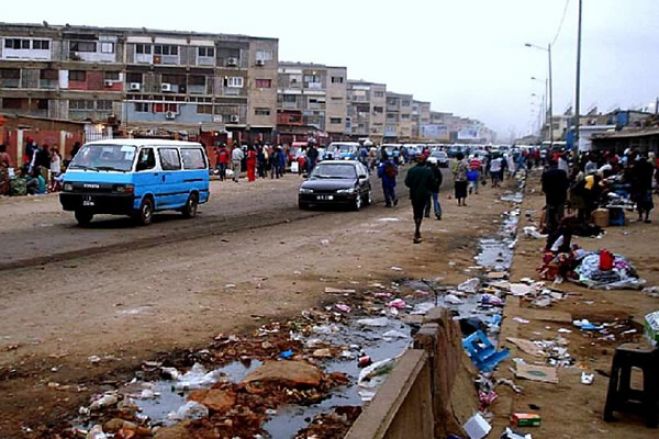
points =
(420, 181)
(237, 157)
(388, 171)
(555, 185)
(437, 182)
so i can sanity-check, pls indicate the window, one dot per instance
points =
(41, 44)
(405, 116)
(193, 158)
(234, 81)
(378, 110)
(206, 51)
(169, 159)
(143, 49)
(111, 76)
(146, 160)
(82, 46)
(197, 80)
(337, 79)
(133, 77)
(10, 73)
(378, 94)
(161, 107)
(405, 103)
(263, 55)
(141, 107)
(165, 49)
(263, 83)
(204, 109)
(81, 105)
(17, 43)
(289, 98)
(107, 47)
(12, 103)
(25, 44)
(48, 74)
(335, 120)
(262, 111)
(104, 105)
(337, 98)
(77, 75)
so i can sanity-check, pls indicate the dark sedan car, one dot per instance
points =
(340, 182)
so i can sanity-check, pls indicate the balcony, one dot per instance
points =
(206, 61)
(48, 84)
(10, 83)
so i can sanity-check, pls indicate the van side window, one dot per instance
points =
(193, 158)
(169, 159)
(146, 160)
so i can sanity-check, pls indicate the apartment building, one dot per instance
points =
(314, 94)
(366, 110)
(420, 117)
(398, 122)
(140, 78)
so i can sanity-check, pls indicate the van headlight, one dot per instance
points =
(346, 191)
(68, 187)
(124, 188)
(304, 190)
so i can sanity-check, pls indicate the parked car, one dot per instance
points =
(441, 157)
(135, 177)
(337, 182)
(342, 151)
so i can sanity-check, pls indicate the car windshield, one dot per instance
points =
(340, 171)
(341, 148)
(438, 154)
(104, 158)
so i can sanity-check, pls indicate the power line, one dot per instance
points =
(560, 25)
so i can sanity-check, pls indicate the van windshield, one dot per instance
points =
(104, 158)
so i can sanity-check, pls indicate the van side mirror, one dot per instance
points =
(363, 176)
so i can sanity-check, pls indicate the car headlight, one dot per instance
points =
(304, 190)
(68, 187)
(346, 191)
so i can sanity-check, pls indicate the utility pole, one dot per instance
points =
(578, 85)
(551, 100)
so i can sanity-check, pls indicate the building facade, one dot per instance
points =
(366, 110)
(315, 93)
(139, 78)
(398, 122)
(420, 118)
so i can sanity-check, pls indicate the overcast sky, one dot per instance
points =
(466, 57)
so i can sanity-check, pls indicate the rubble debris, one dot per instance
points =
(379, 322)
(215, 399)
(470, 286)
(331, 425)
(291, 373)
(189, 411)
(527, 346)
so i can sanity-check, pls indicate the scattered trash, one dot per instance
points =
(536, 373)
(470, 286)
(364, 361)
(526, 419)
(520, 320)
(388, 220)
(512, 434)
(452, 299)
(394, 334)
(532, 232)
(372, 376)
(397, 303)
(196, 378)
(482, 352)
(652, 326)
(477, 427)
(107, 400)
(285, 355)
(191, 410)
(585, 325)
(509, 383)
(330, 290)
(343, 307)
(396, 269)
(94, 359)
(375, 322)
(96, 433)
(527, 346)
(324, 242)
(620, 275)
(587, 378)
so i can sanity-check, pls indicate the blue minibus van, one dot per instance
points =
(135, 177)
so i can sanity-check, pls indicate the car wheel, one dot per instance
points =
(145, 215)
(369, 197)
(357, 204)
(190, 209)
(84, 217)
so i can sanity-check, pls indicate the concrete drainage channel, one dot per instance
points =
(398, 346)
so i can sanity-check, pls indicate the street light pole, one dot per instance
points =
(551, 100)
(577, 100)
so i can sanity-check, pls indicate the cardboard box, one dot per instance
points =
(526, 419)
(600, 217)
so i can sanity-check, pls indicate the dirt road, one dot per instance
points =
(125, 294)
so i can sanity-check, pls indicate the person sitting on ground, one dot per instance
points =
(420, 181)
(36, 185)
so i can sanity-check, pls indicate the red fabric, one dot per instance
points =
(251, 165)
(223, 156)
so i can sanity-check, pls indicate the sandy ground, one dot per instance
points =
(571, 409)
(127, 294)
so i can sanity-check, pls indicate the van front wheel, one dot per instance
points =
(144, 216)
(190, 209)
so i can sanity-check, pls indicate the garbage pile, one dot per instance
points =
(305, 376)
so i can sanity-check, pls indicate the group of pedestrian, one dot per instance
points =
(36, 172)
(573, 193)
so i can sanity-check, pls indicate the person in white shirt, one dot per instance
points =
(237, 156)
(496, 168)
